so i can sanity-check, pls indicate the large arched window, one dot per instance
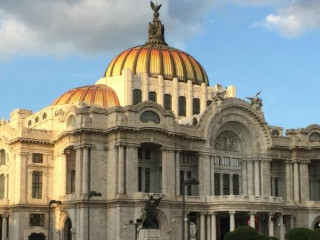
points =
(2, 157)
(149, 116)
(152, 96)
(196, 106)
(167, 102)
(137, 96)
(2, 186)
(182, 106)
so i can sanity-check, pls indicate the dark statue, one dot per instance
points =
(256, 102)
(156, 29)
(150, 209)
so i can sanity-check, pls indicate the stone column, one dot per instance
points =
(232, 222)
(252, 222)
(160, 92)
(281, 229)
(212, 175)
(121, 169)
(175, 96)
(204, 174)
(296, 182)
(132, 169)
(304, 181)
(208, 226)
(292, 222)
(202, 226)
(213, 227)
(288, 180)
(164, 177)
(221, 184)
(203, 103)
(85, 171)
(244, 177)
(78, 183)
(231, 183)
(63, 177)
(265, 178)
(189, 99)
(4, 227)
(177, 159)
(250, 177)
(168, 172)
(271, 225)
(256, 177)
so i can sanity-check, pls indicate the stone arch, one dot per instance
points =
(65, 226)
(316, 223)
(163, 225)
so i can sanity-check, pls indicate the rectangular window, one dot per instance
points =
(152, 96)
(189, 190)
(216, 184)
(36, 219)
(147, 180)
(139, 153)
(37, 184)
(226, 184)
(137, 96)
(37, 158)
(196, 106)
(182, 106)
(139, 179)
(167, 102)
(181, 181)
(73, 181)
(276, 187)
(147, 153)
(235, 181)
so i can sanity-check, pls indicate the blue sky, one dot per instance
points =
(49, 47)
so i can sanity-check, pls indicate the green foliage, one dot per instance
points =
(298, 234)
(242, 233)
(314, 235)
(266, 238)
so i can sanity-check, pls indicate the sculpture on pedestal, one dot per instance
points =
(150, 209)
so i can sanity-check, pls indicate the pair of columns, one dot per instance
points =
(251, 177)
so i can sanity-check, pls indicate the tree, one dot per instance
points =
(298, 234)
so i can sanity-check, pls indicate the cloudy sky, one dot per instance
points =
(50, 46)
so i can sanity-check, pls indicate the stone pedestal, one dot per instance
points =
(149, 234)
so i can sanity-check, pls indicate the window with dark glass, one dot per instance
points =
(167, 102)
(147, 180)
(196, 106)
(152, 96)
(140, 153)
(182, 106)
(235, 182)
(37, 184)
(37, 158)
(209, 102)
(149, 116)
(2, 186)
(73, 181)
(226, 184)
(139, 178)
(2, 157)
(181, 182)
(216, 184)
(276, 187)
(147, 153)
(36, 219)
(189, 189)
(136, 96)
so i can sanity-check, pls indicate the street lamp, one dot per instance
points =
(91, 194)
(188, 182)
(49, 216)
(136, 226)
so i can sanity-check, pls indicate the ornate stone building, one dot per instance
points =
(149, 124)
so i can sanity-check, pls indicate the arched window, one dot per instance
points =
(2, 186)
(196, 106)
(149, 116)
(152, 96)
(71, 121)
(137, 96)
(2, 157)
(167, 102)
(182, 106)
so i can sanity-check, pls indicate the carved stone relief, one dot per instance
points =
(227, 141)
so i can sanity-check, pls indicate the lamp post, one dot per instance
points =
(91, 194)
(49, 216)
(188, 182)
(136, 226)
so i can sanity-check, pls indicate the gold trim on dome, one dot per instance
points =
(158, 60)
(98, 94)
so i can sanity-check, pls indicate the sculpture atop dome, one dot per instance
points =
(156, 28)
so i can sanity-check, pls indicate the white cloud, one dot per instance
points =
(63, 27)
(294, 19)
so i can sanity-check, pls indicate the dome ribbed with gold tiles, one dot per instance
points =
(98, 94)
(156, 58)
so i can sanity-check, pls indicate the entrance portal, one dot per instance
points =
(37, 236)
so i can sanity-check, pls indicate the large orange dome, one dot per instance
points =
(98, 94)
(158, 59)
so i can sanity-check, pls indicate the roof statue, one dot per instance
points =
(218, 97)
(156, 29)
(150, 209)
(256, 102)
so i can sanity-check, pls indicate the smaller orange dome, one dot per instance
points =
(98, 94)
